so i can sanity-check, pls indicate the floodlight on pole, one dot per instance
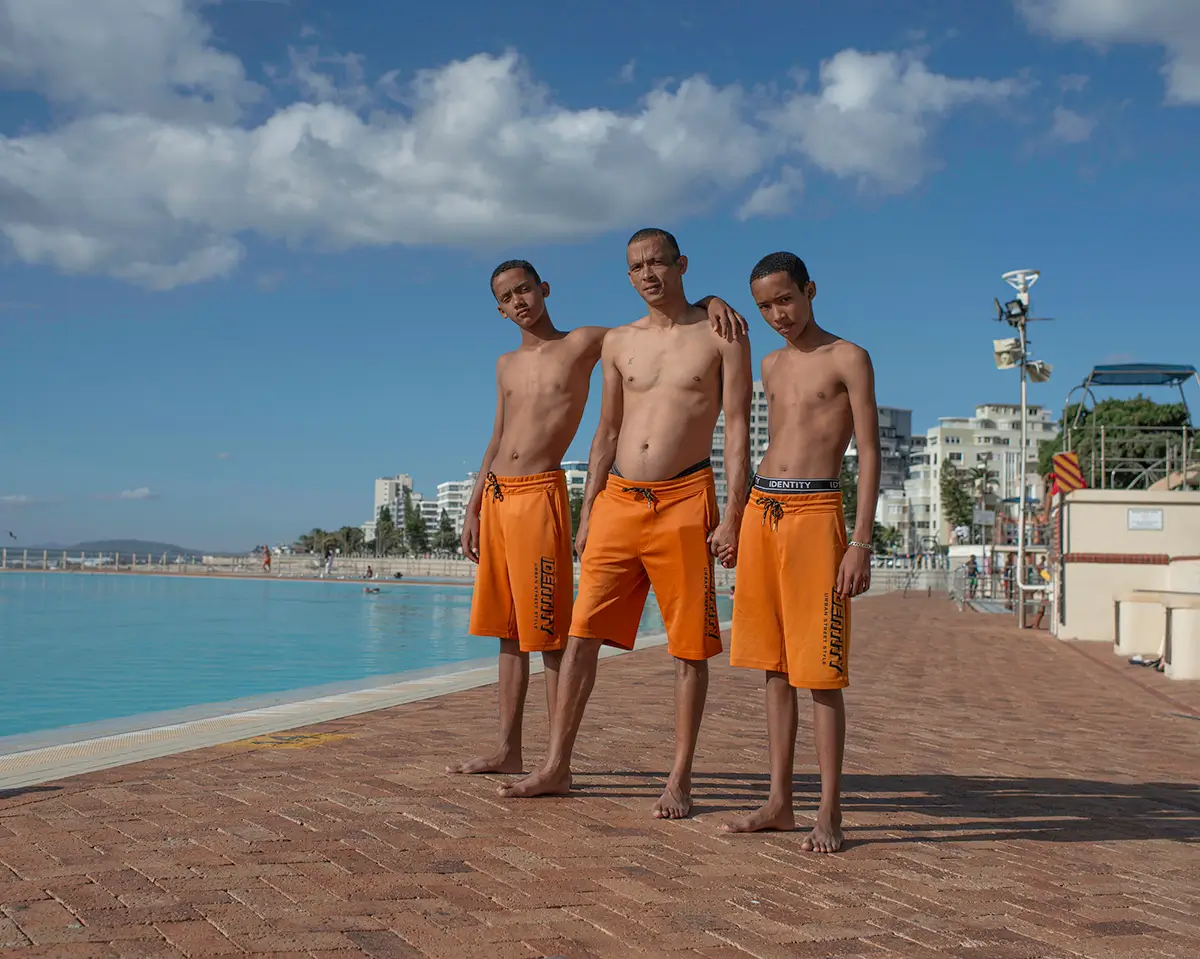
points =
(1016, 313)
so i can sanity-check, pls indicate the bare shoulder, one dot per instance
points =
(850, 357)
(587, 337)
(769, 361)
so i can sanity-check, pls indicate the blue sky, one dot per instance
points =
(244, 246)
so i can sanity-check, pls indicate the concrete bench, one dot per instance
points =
(1160, 623)
(1181, 654)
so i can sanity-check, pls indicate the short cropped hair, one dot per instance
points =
(651, 233)
(513, 265)
(787, 263)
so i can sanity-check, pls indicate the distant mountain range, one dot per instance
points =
(111, 546)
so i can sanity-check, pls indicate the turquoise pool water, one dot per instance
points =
(83, 648)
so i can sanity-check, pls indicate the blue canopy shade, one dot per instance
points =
(1140, 374)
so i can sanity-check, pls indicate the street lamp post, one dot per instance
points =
(1016, 313)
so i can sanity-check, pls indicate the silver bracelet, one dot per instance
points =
(865, 546)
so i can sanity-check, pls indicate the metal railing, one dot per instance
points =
(1135, 457)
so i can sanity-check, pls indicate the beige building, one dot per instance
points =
(991, 438)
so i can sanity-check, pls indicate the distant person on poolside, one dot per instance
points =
(650, 515)
(266, 559)
(797, 567)
(518, 520)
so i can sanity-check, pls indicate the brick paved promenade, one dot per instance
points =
(1007, 796)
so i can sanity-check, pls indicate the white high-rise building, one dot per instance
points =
(992, 439)
(758, 441)
(388, 491)
(576, 473)
(453, 496)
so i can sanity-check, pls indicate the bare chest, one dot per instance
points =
(649, 366)
(537, 376)
(806, 390)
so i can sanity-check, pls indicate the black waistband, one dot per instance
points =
(704, 464)
(766, 484)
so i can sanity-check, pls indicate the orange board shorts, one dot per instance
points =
(787, 615)
(643, 534)
(526, 569)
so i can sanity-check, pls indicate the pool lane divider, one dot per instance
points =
(33, 767)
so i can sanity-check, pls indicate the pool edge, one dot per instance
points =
(35, 767)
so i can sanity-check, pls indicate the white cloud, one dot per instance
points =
(156, 175)
(874, 114)
(1071, 127)
(627, 72)
(141, 493)
(1172, 24)
(137, 56)
(774, 197)
(224, 456)
(16, 499)
(1073, 82)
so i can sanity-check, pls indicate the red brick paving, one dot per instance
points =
(1008, 797)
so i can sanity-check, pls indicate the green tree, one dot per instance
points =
(447, 539)
(316, 541)
(351, 539)
(849, 482)
(576, 502)
(958, 507)
(885, 538)
(415, 534)
(387, 537)
(1138, 432)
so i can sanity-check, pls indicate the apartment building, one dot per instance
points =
(758, 441)
(992, 439)
(389, 490)
(453, 496)
(895, 446)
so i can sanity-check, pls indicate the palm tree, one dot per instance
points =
(351, 539)
(313, 541)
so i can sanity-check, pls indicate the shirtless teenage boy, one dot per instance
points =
(518, 522)
(796, 569)
(653, 519)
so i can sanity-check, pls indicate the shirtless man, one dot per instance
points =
(649, 513)
(795, 566)
(518, 522)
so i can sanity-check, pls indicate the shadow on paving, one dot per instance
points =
(956, 808)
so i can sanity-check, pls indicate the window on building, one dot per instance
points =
(956, 457)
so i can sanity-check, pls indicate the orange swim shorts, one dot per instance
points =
(787, 616)
(644, 534)
(526, 569)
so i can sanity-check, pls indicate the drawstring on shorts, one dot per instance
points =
(646, 493)
(772, 508)
(492, 485)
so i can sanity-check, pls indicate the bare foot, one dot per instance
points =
(498, 762)
(826, 836)
(541, 783)
(674, 803)
(771, 817)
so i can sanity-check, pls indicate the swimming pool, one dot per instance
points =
(83, 648)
